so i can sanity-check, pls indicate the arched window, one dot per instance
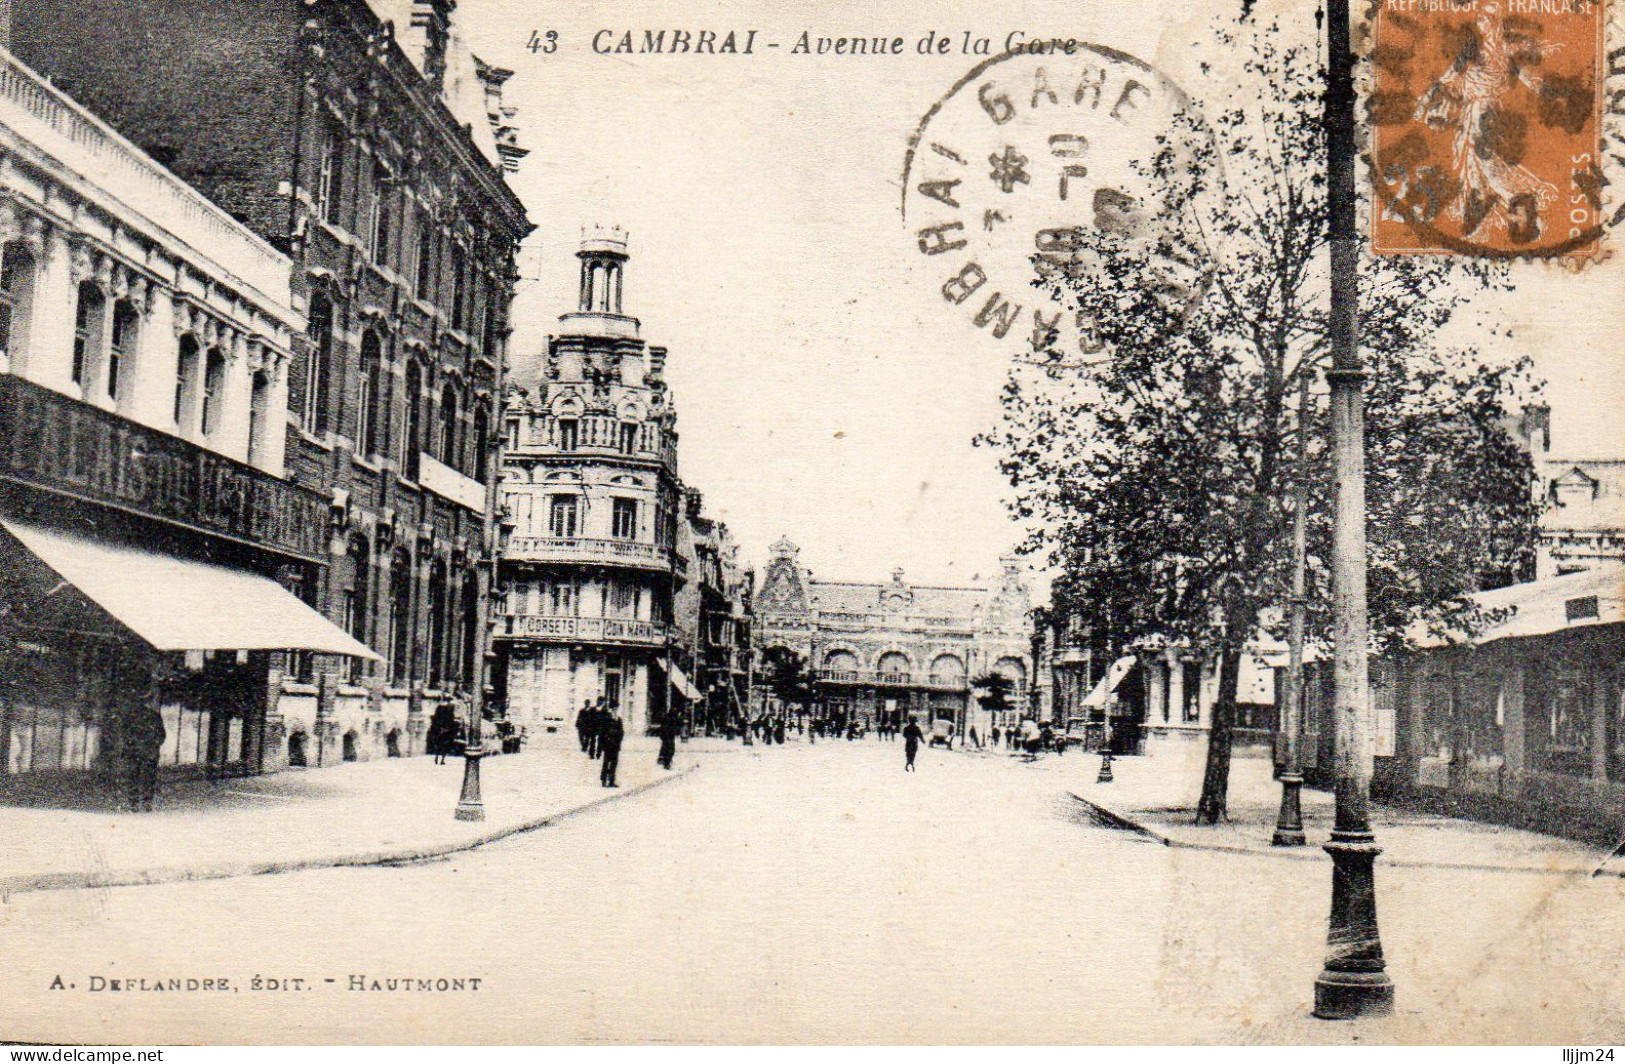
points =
(121, 344)
(383, 213)
(947, 671)
(437, 623)
(214, 391)
(840, 665)
(87, 331)
(186, 365)
(357, 597)
(482, 443)
(259, 418)
(318, 359)
(425, 258)
(16, 300)
(369, 433)
(893, 664)
(450, 408)
(412, 442)
(471, 630)
(400, 617)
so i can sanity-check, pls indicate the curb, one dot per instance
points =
(1311, 853)
(43, 881)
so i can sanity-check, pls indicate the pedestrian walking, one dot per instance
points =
(143, 743)
(595, 730)
(442, 738)
(668, 740)
(584, 723)
(610, 735)
(995, 734)
(911, 744)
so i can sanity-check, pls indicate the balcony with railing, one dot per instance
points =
(33, 108)
(587, 550)
(612, 630)
(55, 444)
(595, 435)
(873, 678)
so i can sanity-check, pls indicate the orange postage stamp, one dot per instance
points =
(1487, 123)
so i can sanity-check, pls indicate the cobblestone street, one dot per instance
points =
(820, 894)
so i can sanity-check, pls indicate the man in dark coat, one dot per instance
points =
(584, 723)
(668, 740)
(442, 738)
(143, 742)
(609, 747)
(595, 729)
(911, 744)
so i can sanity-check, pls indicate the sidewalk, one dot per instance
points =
(1156, 796)
(356, 814)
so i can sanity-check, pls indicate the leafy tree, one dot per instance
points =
(1161, 463)
(788, 676)
(993, 691)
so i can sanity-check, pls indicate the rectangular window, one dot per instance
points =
(383, 218)
(562, 600)
(87, 327)
(561, 518)
(214, 383)
(568, 434)
(122, 345)
(629, 437)
(424, 259)
(459, 287)
(1191, 710)
(363, 414)
(330, 178)
(625, 519)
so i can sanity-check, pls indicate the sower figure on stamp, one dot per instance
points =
(144, 736)
(609, 747)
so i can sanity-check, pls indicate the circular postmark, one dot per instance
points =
(1487, 122)
(1026, 151)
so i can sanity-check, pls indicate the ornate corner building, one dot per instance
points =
(360, 142)
(898, 650)
(591, 563)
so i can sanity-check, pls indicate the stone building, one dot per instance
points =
(593, 506)
(363, 142)
(898, 650)
(714, 617)
(146, 519)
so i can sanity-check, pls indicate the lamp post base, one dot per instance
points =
(469, 804)
(1105, 769)
(1353, 983)
(1351, 995)
(1289, 823)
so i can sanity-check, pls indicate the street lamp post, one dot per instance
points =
(1354, 982)
(1289, 823)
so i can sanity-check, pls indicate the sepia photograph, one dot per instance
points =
(814, 523)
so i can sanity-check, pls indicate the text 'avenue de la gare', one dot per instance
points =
(751, 42)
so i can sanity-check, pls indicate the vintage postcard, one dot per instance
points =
(827, 523)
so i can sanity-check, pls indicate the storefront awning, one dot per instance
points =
(680, 680)
(178, 604)
(1114, 677)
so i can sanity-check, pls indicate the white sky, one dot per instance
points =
(824, 389)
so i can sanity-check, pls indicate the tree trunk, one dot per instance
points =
(1212, 806)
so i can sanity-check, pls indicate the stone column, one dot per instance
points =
(1599, 725)
(277, 415)
(236, 398)
(1176, 689)
(1512, 726)
(151, 382)
(50, 334)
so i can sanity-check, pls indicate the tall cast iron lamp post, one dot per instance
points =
(1354, 982)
